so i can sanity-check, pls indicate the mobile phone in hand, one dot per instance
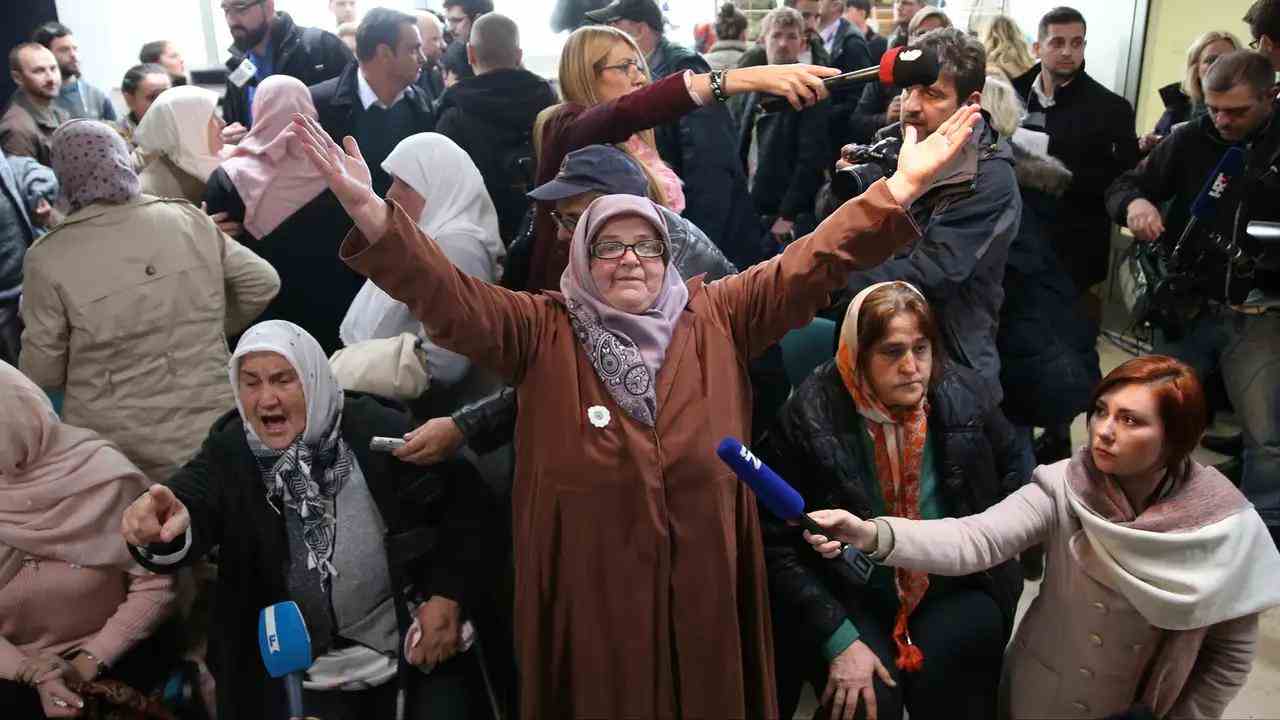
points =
(386, 444)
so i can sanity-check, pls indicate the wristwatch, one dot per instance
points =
(101, 666)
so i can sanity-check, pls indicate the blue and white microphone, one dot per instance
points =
(286, 649)
(782, 500)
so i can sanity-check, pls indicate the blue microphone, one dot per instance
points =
(1205, 207)
(286, 649)
(782, 500)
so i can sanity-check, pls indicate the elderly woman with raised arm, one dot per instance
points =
(640, 579)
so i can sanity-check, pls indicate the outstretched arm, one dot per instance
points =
(493, 326)
(763, 303)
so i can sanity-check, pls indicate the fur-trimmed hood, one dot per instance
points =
(1039, 171)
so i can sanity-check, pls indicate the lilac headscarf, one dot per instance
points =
(626, 349)
(92, 162)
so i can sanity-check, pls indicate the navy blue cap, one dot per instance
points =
(595, 168)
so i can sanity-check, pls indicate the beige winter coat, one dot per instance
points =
(1083, 650)
(127, 308)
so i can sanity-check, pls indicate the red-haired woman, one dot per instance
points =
(1156, 566)
(887, 427)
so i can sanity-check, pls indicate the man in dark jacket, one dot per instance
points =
(491, 116)
(1231, 323)
(700, 146)
(814, 52)
(268, 43)
(23, 208)
(433, 46)
(785, 153)
(969, 217)
(1090, 128)
(1263, 19)
(375, 99)
(858, 14)
(461, 15)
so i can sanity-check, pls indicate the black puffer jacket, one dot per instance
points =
(816, 445)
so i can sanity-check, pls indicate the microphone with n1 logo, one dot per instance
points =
(286, 649)
(903, 66)
(1204, 209)
(783, 501)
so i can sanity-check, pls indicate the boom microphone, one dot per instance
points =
(903, 66)
(782, 500)
(286, 649)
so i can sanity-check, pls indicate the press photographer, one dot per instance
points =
(968, 217)
(1230, 305)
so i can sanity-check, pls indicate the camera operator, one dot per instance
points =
(968, 217)
(1232, 298)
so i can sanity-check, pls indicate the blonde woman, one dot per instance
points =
(1184, 100)
(608, 100)
(1006, 45)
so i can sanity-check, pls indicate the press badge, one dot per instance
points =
(243, 73)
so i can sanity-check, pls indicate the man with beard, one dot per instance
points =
(27, 126)
(460, 16)
(1091, 129)
(813, 52)
(267, 43)
(77, 97)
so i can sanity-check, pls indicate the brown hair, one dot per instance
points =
(731, 23)
(1179, 398)
(880, 307)
(1241, 66)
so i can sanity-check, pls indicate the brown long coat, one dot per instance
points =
(640, 582)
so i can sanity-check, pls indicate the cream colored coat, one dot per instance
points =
(1082, 651)
(127, 308)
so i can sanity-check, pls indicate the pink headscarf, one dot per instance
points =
(621, 345)
(62, 488)
(272, 175)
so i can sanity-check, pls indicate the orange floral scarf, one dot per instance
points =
(899, 442)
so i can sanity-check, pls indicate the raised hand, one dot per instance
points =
(156, 517)
(920, 160)
(346, 173)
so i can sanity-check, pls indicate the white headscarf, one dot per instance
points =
(308, 475)
(177, 126)
(460, 217)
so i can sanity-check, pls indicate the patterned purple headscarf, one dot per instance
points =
(92, 163)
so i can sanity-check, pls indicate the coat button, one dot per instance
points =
(1086, 673)
(1080, 707)
(1096, 639)
(151, 269)
(1100, 608)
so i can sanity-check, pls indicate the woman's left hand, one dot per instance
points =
(440, 621)
(223, 221)
(920, 160)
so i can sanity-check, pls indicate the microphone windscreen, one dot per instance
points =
(283, 639)
(774, 493)
(909, 66)
(1230, 167)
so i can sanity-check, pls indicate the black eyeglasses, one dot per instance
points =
(236, 8)
(626, 68)
(1253, 45)
(568, 222)
(613, 250)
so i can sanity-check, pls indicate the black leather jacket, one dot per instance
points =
(816, 446)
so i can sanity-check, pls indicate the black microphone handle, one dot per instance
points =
(293, 695)
(858, 562)
(777, 103)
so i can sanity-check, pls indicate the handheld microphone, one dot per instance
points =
(286, 649)
(1205, 207)
(782, 500)
(903, 66)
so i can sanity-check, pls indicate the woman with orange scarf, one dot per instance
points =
(889, 426)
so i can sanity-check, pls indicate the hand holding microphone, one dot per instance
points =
(900, 66)
(837, 527)
(784, 502)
